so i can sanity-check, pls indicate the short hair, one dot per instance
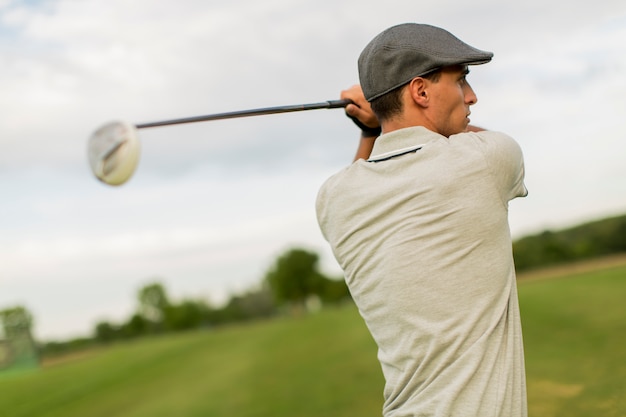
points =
(390, 104)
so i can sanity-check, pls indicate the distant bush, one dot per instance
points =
(589, 240)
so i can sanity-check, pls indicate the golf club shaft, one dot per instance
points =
(331, 104)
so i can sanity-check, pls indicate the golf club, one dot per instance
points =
(113, 149)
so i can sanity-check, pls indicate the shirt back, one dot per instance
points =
(421, 232)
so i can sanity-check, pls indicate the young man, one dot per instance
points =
(419, 224)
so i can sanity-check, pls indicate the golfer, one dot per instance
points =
(419, 224)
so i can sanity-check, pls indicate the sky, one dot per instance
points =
(213, 204)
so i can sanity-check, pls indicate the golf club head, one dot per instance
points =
(113, 152)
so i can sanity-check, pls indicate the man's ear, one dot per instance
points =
(418, 89)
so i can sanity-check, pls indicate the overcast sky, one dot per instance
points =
(212, 204)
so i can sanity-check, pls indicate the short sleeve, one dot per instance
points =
(506, 163)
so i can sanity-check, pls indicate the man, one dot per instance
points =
(419, 224)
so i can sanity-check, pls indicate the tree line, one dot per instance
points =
(293, 285)
(586, 241)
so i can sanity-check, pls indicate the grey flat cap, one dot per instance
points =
(403, 52)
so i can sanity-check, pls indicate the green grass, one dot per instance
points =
(575, 338)
(324, 365)
(320, 365)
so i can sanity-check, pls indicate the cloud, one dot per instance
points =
(85, 63)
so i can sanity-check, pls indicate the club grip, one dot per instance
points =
(335, 104)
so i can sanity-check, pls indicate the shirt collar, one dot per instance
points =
(402, 141)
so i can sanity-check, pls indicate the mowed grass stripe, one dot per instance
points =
(325, 364)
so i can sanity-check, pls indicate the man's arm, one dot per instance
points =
(366, 144)
(362, 112)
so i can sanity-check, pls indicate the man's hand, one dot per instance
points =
(360, 112)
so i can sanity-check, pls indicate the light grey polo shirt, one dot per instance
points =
(421, 232)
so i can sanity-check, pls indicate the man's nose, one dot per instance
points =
(470, 96)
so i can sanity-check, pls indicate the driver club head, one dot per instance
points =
(113, 152)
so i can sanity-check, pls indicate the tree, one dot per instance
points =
(248, 306)
(135, 326)
(153, 302)
(295, 277)
(17, 323)
(105, 332)
(335, 291)
(189, 314)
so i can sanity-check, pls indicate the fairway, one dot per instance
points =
(575, 338)
(324, 365)
(320, 365)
